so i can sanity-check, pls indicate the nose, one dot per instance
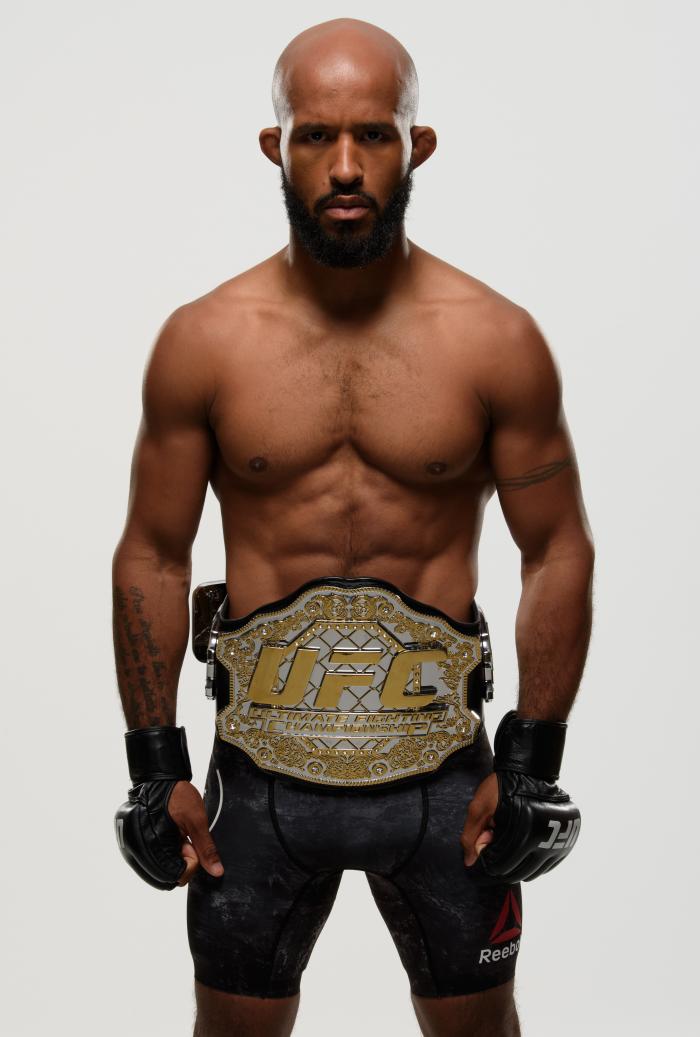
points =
(345, 167)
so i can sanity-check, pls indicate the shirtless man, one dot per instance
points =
(353, 401)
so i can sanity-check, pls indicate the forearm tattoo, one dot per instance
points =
(533, 475)
(140, 668)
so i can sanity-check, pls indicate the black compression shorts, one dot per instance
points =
(284, 845)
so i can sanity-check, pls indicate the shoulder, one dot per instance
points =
(203, 321)
(478, 305)
(511, 358)
(174, 376)
(518, 365)
(521, 375)
(195, 340)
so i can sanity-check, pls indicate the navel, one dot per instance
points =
(436, 467)
(257, 464)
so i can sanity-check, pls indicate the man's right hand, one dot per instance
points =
(186, 808)
(163, 833)
(162, 829)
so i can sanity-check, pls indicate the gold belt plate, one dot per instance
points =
(348, 687)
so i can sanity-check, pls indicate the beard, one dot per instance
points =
(347, 247)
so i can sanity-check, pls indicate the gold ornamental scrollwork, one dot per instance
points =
(323, 668)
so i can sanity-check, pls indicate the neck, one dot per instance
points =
(353, 291)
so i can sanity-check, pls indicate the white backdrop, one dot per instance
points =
(133, 183)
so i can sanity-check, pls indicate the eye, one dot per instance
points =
(375, 134)
(315, 136)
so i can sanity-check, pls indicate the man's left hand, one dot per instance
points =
(478, 828)
(526, 823)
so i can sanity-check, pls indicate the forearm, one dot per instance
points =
(552, 632)
(150, 623)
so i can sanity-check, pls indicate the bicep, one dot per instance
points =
(173, 454)
(531, 452)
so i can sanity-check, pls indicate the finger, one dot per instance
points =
(484, 839)
(206, 850)
(475, 837)
(191, 860)
(477, 821)
(469, 840)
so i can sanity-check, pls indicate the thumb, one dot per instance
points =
(206, 850)
(476, 835)
(483, 840)
(189, 856)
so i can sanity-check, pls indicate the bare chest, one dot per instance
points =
(403, 402)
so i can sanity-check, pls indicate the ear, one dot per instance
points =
(424, 141)
(270, 144)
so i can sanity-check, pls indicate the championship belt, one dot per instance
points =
(344, 682)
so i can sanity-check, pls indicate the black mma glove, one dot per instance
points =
(148, 838)
(535, 822)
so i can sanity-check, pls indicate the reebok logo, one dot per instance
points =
(506, 931)
(510, 913)
(489, 954)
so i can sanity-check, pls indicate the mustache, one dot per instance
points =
(322, 202)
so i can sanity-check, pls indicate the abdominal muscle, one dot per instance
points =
(351, 523)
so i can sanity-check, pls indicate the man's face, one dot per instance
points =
(347, 237)
(346, 175)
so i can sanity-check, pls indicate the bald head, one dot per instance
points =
(345, 95)
(333, 55)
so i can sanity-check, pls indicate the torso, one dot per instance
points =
(352, 450)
